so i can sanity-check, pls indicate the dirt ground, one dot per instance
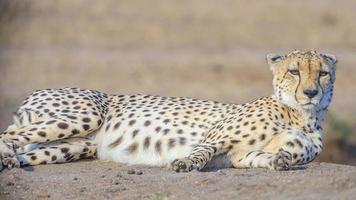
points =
(107, 180)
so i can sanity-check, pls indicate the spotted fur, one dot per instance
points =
(277, 132)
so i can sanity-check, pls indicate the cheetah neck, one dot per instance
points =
(309, 120)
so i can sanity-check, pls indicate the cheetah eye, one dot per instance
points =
(323, 73)
(294, 72)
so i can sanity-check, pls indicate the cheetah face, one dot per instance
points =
(303, 79)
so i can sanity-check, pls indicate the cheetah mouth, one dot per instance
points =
(309, 105)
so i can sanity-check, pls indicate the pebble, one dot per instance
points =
(132, 171)
(139, 173)
(10, 183)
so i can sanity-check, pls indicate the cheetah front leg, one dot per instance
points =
(215, 143)
(281, 153)
(198, 158)
(281, 160)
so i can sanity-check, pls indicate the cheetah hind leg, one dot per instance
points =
(66, 150)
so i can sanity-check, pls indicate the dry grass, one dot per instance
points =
(202, 48)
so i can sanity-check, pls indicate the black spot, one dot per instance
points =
(64, 150)
(299, 143)
(75, 131)
(86, 127)
(47, 153)
(158, 129)
(182, 140)
(171, 143)
(291, 144)
(251, 142)
(116, 142)
(132, 122)
(51, 122)
(54, 158)
(262, 137)
(117, 125)
(146, 142)
(107, 127)
(235, 141)
(86, 120)
(193, 133)
(158, 146)
(55, 105)
(71, 117)
(147, 123)
(62, 125)
(132, 148)
(99, 122)
(166, 131)
(166, 121)
(42, 134)
(134, 133)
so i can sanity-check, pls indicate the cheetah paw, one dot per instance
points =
(282, 160)
(7, 157)
(183, 165)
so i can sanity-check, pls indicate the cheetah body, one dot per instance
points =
(277, 132)
(155, 130)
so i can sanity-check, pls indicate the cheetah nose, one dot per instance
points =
(310, 93)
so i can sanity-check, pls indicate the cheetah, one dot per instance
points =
(276, 132)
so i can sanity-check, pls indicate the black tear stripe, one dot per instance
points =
(322, 90)
(295, 92)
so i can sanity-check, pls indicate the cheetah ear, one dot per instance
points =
(330, 58)
(272, 59)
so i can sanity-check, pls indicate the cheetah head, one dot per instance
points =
(303, 79)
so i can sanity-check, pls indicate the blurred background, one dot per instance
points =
(200, 48)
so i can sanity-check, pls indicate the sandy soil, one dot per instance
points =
(107, 180)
